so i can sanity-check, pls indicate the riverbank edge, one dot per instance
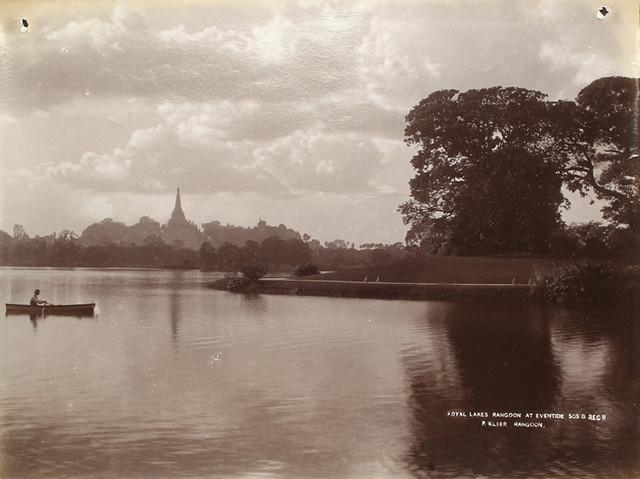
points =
(381, 290)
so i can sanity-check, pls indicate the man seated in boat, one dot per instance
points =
(36, 301)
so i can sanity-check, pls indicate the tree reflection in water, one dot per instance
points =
(511, 358)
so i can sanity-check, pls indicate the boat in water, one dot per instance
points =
(60, 309)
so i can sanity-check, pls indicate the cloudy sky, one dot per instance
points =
(289, 111)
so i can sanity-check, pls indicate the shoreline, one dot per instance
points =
(381, 290)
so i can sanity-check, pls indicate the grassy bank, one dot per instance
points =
(345, 289)
(460, 278)
(436, 277)
(448, 269)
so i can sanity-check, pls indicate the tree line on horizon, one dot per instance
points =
(187, 234)
(585, 241)
(65, 249)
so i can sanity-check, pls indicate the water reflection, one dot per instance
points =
(174, 305)
(512, 358)
(599, 370)
(173, 379)
(34, 321)
(256, 304)
(504, 356)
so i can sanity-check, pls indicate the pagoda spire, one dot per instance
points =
(177, 216)
(178, 204)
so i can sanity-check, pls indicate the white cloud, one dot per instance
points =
(127, 55)
(200, 124)
(7, 118)
(314, 160)
(179, 34)
(195, 146)
(565, 54)
(147, 137)
(97, 33)
(386, 64)
(275, 42)
(156, 159)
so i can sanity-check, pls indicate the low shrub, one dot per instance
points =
(237, 282)
(253, 272)
(306, 269)
(587, 282)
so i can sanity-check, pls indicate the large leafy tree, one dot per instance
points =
(600, 135)
(488, 171)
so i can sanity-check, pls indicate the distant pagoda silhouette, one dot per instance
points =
(177, 216)
(179, 230)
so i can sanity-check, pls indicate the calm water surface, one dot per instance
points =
(172, 379)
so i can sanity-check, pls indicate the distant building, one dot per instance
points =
(179, 231)
(178, 219)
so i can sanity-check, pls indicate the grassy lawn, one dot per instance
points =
(448, 269)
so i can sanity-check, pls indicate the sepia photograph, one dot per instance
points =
(342, 239)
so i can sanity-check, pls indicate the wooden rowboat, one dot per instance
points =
(63, 309)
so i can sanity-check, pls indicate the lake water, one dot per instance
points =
(175, 380)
